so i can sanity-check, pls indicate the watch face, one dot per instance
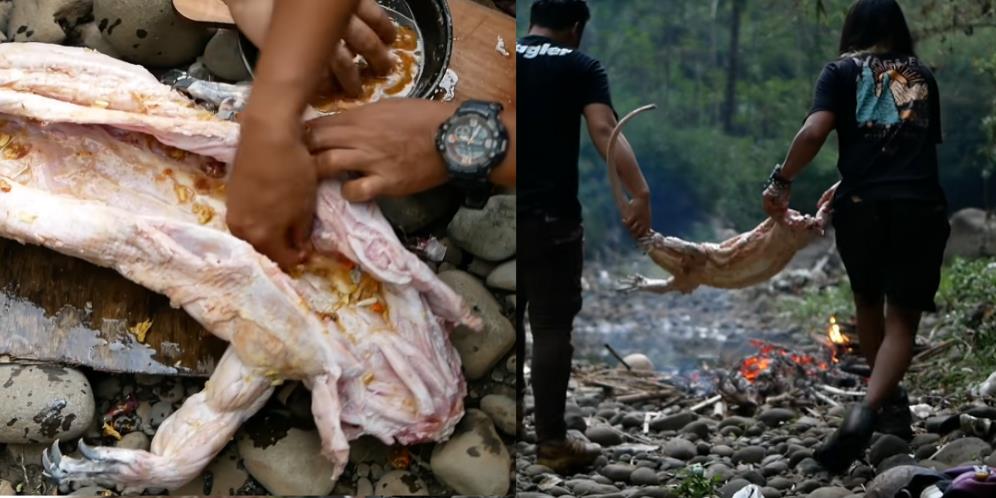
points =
(471, 141)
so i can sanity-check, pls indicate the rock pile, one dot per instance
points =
(772, 450)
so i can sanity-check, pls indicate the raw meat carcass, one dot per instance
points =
(747, 259)
(100, 161)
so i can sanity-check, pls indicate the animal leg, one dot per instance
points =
(635, 283)
(327, 409)
(185, 443)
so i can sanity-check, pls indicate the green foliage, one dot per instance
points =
(816, 305)
(675, 53)
(967, 298)
(968, 293)
(694, 483)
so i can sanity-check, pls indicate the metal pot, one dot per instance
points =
(434, 22)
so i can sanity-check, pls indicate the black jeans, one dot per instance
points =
(549, 263)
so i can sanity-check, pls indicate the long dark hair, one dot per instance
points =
(876, 23)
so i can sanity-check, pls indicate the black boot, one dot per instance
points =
(849, 442)
(895, 417)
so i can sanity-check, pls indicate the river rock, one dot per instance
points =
(45, 20)
(718, 471)
(481, 268)
(750, 454)
(731, 488)
(400, 483)
(5, 10)
(644, 477)
(972, 235)
(776, 416)
(779, 483)
(888, 483)
(638, 361)
(897, 460)
(223, 58)
(964, 450)
(586, 487)
(487, 233)
(42, 403)
(415, 212)
(700, 428)
(679, 448)
(736, 421)
(503, 277)
(501, 409)
(603, 435)
(617, 472)
(673, 422)
(886, 446)
(829, 492)
(480, 351)
(91, 37)
(134, 441)
(285, 463)
(474, 461)
(150, 32)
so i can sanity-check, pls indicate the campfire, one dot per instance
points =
(775, 372)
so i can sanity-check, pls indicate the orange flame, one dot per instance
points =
(754, 367)
(833, 331)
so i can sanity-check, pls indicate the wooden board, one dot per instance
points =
(62, 309)
(483, 72)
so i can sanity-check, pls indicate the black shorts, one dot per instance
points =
(893, 249)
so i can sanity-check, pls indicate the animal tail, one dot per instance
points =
(622, 202)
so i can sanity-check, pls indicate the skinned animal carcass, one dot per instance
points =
(100, 161)
(744, 260)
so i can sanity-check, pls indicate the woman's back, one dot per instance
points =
(888, 121)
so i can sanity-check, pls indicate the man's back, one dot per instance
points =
(554, 84)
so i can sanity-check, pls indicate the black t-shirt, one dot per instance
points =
(553, 85)
(888, 118)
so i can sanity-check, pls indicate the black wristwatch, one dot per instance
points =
(776, 178)
(472, 142)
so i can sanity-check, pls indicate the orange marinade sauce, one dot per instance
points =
(330, 97)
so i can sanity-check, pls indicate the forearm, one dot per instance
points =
(298, 44)
(625, 159)
(504, 173)
(803, 150)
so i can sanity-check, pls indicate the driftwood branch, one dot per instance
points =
(705, 403)
(841, 392)
(824, 398)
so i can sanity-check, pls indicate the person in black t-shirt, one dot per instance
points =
(889, 212)
(556, 85)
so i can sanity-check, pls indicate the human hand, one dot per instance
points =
(775, 199)
(390, 144)
(637, 219)
(272, 191)
(370, 33)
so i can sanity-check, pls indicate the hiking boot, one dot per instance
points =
(568, 456)
(895, 417)
(850, 440)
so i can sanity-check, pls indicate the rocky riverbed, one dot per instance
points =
(278, 450)
(771, 449)
(664, 448)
